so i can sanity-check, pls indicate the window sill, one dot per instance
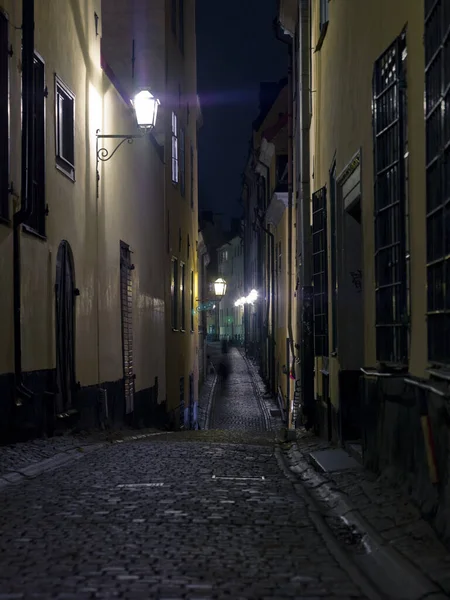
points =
(5, 221)
(175, 329)
(322, 35)
(68, 171)
(182, 330)
(30, 231)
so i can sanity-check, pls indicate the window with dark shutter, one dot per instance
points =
(320, 272)
(36, 220)
(389, 117)
(64, 128)
(437, 112)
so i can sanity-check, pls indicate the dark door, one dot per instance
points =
(126, 297)
(65, 327)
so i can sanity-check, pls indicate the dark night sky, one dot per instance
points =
(236, 50)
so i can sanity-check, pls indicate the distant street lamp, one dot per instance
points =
(145, 106)
(220, 287)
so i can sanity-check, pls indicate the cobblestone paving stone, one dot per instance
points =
(235, 403)
(15, 457)
(146, 519)
(384, 506)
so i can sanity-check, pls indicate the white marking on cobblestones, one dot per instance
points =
(139, 485)
(262, 478)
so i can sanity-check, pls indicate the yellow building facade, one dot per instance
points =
(84, 265)
(377, 188)
(268, 234)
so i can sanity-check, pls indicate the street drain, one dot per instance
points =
(262, 478)
(347, 534)
(139, 485)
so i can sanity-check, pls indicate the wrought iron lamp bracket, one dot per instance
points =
(103, 154)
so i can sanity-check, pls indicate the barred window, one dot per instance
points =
(437, 109)
(36, 220)
(320, 272)
(389, 118)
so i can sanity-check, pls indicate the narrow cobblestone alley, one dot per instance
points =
(192, 515)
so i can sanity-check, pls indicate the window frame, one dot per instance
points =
(4, 119)
(390, 213)
(437, 126)
(324, 19)
(175, 150)
(182, 280)
(63, 164)
(36, 222)
(174, 291)
(192, 302)
(320, 271)
(182, 161)
(334, 258)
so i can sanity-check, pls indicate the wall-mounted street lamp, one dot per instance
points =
(250, 299)
(145, 106)
(220, 287)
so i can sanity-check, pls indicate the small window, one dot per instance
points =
(65, 141)
(4, 119)
(174, 293)
(192, 300)
(181, 26)
(182, 163)
(323, 13)
(183, 296)
(174, 148)
(36, 220)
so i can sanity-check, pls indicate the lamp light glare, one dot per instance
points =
(146, 108)
(220, 287)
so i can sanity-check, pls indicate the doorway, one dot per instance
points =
(126, 297)
(350, 308)
(65, 328)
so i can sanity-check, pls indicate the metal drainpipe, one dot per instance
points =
(304, 308)
(288, 41)
(26, 206)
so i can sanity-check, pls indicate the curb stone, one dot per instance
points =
(381, 561)
(359, 578)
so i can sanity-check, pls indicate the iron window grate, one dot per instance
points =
(126, 295)
(390, 205)
(320, 272)
(437, 113)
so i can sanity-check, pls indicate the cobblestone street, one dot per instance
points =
(190, 514)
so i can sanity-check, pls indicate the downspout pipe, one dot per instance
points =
(26, 198)
(287, 39)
